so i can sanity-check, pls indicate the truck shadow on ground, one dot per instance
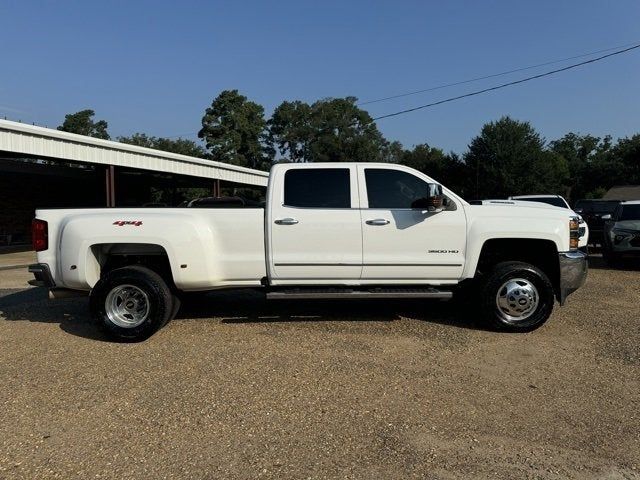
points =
(239, 307)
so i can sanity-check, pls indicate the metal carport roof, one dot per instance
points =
(42, 142)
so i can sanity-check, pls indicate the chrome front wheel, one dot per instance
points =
(517, 299)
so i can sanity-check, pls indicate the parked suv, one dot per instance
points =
(622, 232)
(592, 212)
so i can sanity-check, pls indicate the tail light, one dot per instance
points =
(39, 235)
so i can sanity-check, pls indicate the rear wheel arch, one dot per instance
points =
(105, 257)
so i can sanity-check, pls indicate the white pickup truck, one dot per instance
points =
(347, 230)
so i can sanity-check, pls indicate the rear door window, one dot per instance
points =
(317, 188)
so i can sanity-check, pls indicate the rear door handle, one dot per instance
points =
(286, 221)
(378, 221)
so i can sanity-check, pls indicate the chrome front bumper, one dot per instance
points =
(573, 273)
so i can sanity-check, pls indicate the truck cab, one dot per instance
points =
(360, 224)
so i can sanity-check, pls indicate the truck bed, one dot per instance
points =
(205, 247)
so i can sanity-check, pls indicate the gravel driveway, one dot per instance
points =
(241, 388)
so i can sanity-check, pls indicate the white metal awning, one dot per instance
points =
(48, 143)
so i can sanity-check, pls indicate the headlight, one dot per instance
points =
(574, 224)
(574, 233)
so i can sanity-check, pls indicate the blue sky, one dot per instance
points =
(154, 66)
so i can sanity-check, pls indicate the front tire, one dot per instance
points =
(516, 297)
(131, 303)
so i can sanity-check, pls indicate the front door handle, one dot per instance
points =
(286, 221)
(378, 221)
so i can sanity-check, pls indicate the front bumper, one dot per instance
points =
(573, 273)
(42, 275)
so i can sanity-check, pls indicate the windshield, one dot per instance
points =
(602, 206)
(630, 212)
(555, 201)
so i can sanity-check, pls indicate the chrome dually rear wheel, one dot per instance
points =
(127, 306)
(131, 303)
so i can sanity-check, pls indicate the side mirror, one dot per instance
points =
(434, 203)
(606, 217)
(436, 198)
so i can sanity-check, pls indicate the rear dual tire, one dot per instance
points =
(132, 303)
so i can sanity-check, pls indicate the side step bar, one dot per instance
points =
(316, 293)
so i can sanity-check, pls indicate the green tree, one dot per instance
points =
(329, 130)
(429, 160)
(583, 154)
(181, 146)
(447, 169)
(509, 158)
(627, 154)
(291, 131)
(393, 152)
(233, 129)
(82, 123)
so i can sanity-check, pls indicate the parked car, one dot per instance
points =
(622, 232)
(592, 212)
(559, 201)
(343, 230)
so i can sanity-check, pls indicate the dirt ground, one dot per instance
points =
(237, 387)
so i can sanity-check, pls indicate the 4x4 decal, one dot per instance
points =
(122, 223)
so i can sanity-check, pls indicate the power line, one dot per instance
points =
(181, 135)
(476, 79)
(630, 47)
(497, 87)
